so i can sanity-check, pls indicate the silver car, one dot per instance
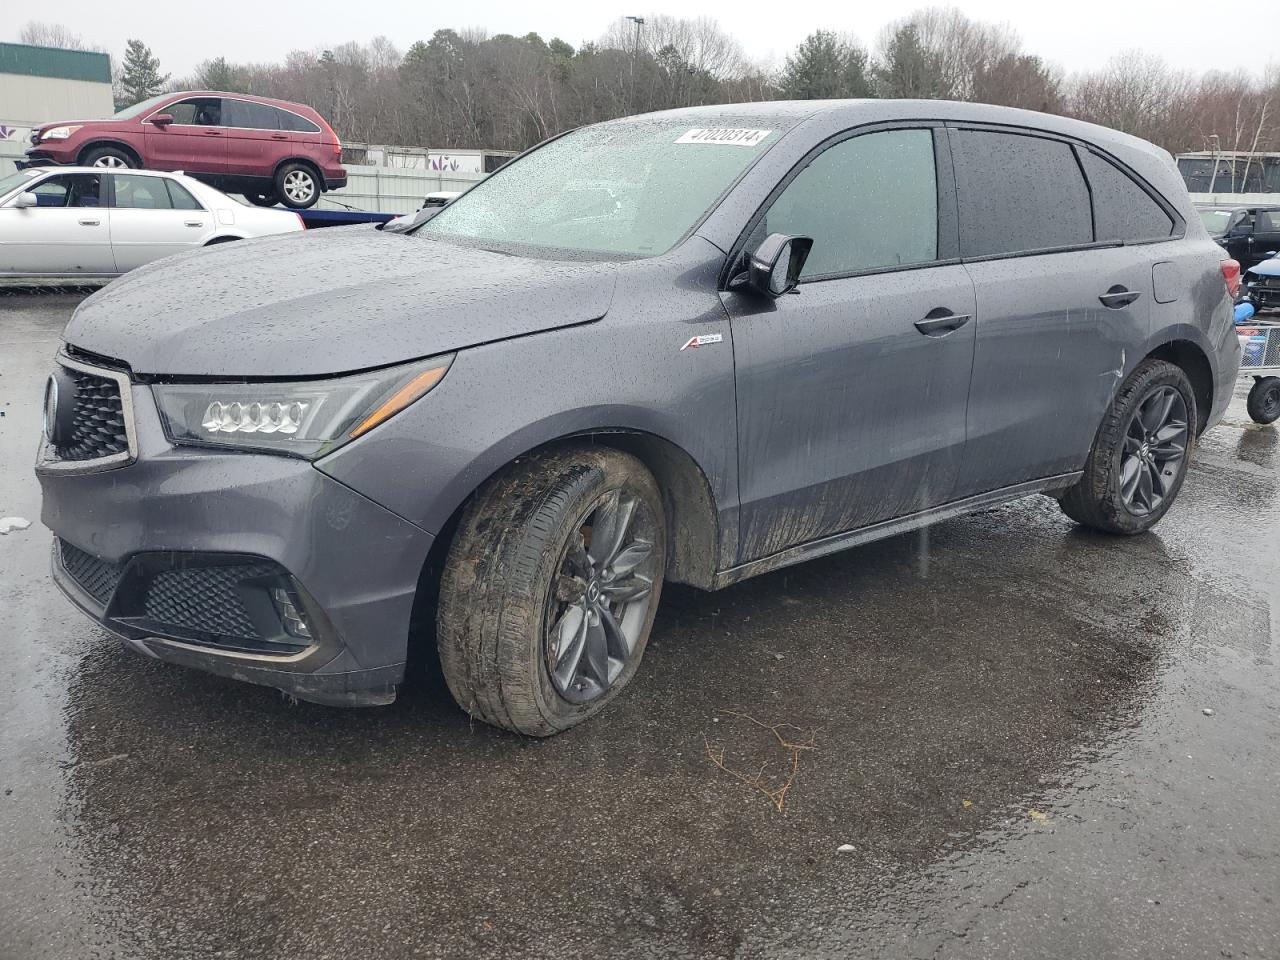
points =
(82, 224)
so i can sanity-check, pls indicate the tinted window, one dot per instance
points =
(254, 116)
(291, 121)
(196, 112)
(867, 202)
(180, 197)
(1269, 221)
(1018, 193)
(1122, 210)
(69, 190)
(141, 193)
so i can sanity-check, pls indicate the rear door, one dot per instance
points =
(66, 234)
(255, 139)
(196, 140)
(1061, 304)
(851, 394)
(153, 217)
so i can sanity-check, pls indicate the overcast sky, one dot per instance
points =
(1081, 34)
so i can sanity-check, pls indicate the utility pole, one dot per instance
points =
(635, 55)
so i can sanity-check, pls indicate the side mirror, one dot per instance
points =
(162, 119)
(26, 199)
(773, 268)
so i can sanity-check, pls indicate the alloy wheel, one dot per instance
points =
(600, 597)
(111, 161)
(299, 186)
(1155, 448)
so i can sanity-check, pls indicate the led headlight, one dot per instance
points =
(302, 418)
(60, 133)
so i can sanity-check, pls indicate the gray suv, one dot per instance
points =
(691, 346)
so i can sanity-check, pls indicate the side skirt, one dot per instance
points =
(889, 528)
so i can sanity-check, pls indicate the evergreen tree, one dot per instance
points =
(825, 66)
(140, 78)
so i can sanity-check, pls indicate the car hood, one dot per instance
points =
(329, 301)
(1267, 268)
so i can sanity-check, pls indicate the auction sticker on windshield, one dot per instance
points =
(733, 137)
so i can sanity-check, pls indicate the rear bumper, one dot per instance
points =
(335, 183)
(351, 565)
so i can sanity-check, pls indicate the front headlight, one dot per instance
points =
(302, 418)
(60, 133)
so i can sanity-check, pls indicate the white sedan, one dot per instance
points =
(60, 224)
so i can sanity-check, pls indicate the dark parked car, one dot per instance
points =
(501, 426)
(271, 151)
(1249, 234)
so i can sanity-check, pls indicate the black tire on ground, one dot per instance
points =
(1096, 501)
(1264, 400)
(297, 185)
(217, 240)
(109, 157)
(499, 588)
(268, 199)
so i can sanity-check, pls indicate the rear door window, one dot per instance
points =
(1018, 194)
(869, 202)
(1122, 209)
(134, 192)
(251, 116)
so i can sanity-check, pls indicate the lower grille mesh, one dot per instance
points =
(97, 577)
(204, 599)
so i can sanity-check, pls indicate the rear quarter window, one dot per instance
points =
(296, 124)
(1018, 193)
(1122, 209)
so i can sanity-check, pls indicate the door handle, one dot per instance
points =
(940, 322)
(193, 223)
(90, 223)
(279, 136)
(1119, 296)
(213, 133)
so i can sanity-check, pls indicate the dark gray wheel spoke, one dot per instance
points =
(571, 634)
(609, 528)
(1129, 477)
(627, 589)
(630, 557)
(1155, 448)
(616, 641)
(1159, 482)
(596, 652)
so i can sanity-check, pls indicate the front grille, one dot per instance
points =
(97, 427)
(97, 577)
(204, 599)
(1271, 281)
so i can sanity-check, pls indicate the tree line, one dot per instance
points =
(468, 89)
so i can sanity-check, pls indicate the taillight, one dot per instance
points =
(337, 149)
(1231, 274)
(301, 222)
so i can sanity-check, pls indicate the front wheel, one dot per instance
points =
(550, 589)
(1140, 455)
(109, 157)
(297, 185)
(1264, 400)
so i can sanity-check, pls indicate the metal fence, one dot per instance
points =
(375, 189)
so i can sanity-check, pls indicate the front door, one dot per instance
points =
(66, 234)
(852, 392)
(195, 141)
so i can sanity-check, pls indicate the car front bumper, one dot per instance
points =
(179, 551)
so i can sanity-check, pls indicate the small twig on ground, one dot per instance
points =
(777, 795)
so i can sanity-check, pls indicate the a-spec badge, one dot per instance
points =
(703, 340)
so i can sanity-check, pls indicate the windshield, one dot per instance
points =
(627, 189)
(138, 109)
(14, 180)
(1215, 221)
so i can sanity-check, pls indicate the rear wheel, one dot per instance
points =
(297, 185)
(1140, 455)
(1264, 400)
(110, 157)
(550, 589)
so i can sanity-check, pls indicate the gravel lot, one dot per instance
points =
(1008, 721)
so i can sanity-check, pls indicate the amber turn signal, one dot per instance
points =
(410, 392)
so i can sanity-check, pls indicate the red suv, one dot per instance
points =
(270, 151)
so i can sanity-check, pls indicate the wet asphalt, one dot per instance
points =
(1003, 719)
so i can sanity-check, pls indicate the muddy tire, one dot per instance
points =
(1140, 454)
(562, 553)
